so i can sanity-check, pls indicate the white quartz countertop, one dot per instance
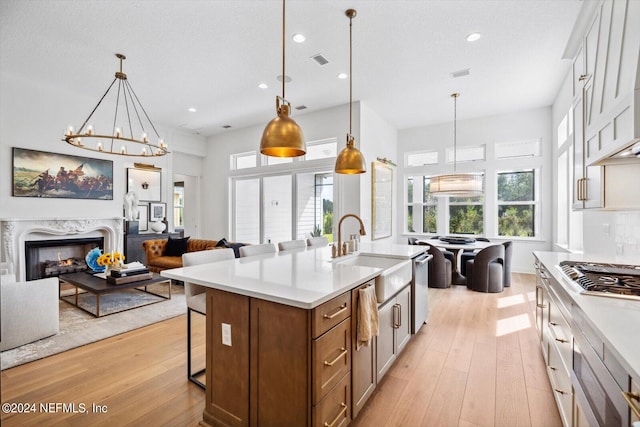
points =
(391, 250)
(616, 320)
(303, 278)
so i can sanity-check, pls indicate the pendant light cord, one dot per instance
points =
(350, 69)
(455, 111)
(283, 50)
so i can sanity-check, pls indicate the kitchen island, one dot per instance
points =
(281, 332)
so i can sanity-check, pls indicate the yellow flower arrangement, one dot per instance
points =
(111, 259)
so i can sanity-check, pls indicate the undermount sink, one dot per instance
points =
(395, 275)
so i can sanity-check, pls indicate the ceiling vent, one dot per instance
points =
(321, 60)
(301, 107)
(460, 73)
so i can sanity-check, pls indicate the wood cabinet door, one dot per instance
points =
(403, 319)
(363, 364)
(385, 345)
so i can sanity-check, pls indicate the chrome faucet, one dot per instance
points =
(340, 252)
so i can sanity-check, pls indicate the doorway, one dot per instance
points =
(186, 205)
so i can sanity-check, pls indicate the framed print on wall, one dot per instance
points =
(157, 211)
(145, 182)
(54, 175)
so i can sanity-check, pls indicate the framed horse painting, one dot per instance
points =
(54, 175)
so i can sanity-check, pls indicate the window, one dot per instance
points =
(178, 205)
(421, 158)
(322, 149)
(244, 160)
(270, 160)
(422, 207)
(246, 210)
(516, 203)
(509, 150)
(315, 205)
(466, 154)
(466, 215)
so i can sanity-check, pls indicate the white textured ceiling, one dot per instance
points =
(211, 55)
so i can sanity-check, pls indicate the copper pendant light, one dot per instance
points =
(350, 160)
(456, 184)
(282, 137)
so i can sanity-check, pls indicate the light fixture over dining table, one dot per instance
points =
(456, 184)
(127, 137)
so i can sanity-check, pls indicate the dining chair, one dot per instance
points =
(468, 254)
(508, 251)
(251, 250)
(485, 271)
(195, 297)
(439, 269)
(412, 240)
(292, 244)
(317, 242)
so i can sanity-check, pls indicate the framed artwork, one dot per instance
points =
(62, 176)
(143, 217)
(145, 182)
(157, 211)
(381, 200)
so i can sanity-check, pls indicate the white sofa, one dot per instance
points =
(29, 310)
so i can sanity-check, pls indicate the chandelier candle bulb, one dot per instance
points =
(144, 138)
(99, 146)
(117, 132)
(69, 130)
(123, 150)
(89, 130)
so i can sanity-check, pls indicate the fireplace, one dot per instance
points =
(16, 232)
(50, 258)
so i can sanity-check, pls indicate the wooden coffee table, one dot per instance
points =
(97, 286)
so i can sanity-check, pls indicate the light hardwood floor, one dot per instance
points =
(476, 363)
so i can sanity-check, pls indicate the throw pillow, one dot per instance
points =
(236, 248)
(176, 247)
(222, 243)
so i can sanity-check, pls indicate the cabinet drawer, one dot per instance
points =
(560, 334)
(331, 359)
(560, 385)
(334, 409)
(329, 314)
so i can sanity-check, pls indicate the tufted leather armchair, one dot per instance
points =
(157, 261)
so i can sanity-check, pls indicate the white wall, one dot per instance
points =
(34, 116)
(517, 126)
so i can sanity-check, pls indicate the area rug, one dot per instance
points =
(78, 328)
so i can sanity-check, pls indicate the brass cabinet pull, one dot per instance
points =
(552, 368)
(340, 415)
(343, 352)
(396, 325)
(560, 391)
(630, 397)
(538, 304)
(340, 309)
(553, 324)
(561, 340)
(583, 77)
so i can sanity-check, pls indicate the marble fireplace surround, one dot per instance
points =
(16, 231)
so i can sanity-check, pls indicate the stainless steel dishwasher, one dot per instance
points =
(420, 292)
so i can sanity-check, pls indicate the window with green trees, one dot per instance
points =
(422, 207)
(516, 203)
(466, 215)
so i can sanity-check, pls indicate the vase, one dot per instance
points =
(157, 226)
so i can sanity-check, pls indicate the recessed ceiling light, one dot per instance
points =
(343, 76)
(473, 37)
(263, 86)
(298, 38)
(192, 110)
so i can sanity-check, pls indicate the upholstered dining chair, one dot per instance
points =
(468, 254)
(195, 296)
(412, 240)
(317, 242)
(292, 244)
(251, 250)
(485, 271)
(506, 273)
(439, 269)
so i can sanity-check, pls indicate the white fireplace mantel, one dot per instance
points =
(16, 231)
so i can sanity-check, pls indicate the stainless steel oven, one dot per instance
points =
(598, 386)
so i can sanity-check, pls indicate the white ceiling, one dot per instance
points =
(211, 55)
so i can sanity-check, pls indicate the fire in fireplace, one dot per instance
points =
(50, 258)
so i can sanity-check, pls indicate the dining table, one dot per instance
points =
(456, 277)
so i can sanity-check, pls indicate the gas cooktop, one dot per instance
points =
(611, 280)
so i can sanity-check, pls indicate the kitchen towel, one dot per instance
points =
(367, 316)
